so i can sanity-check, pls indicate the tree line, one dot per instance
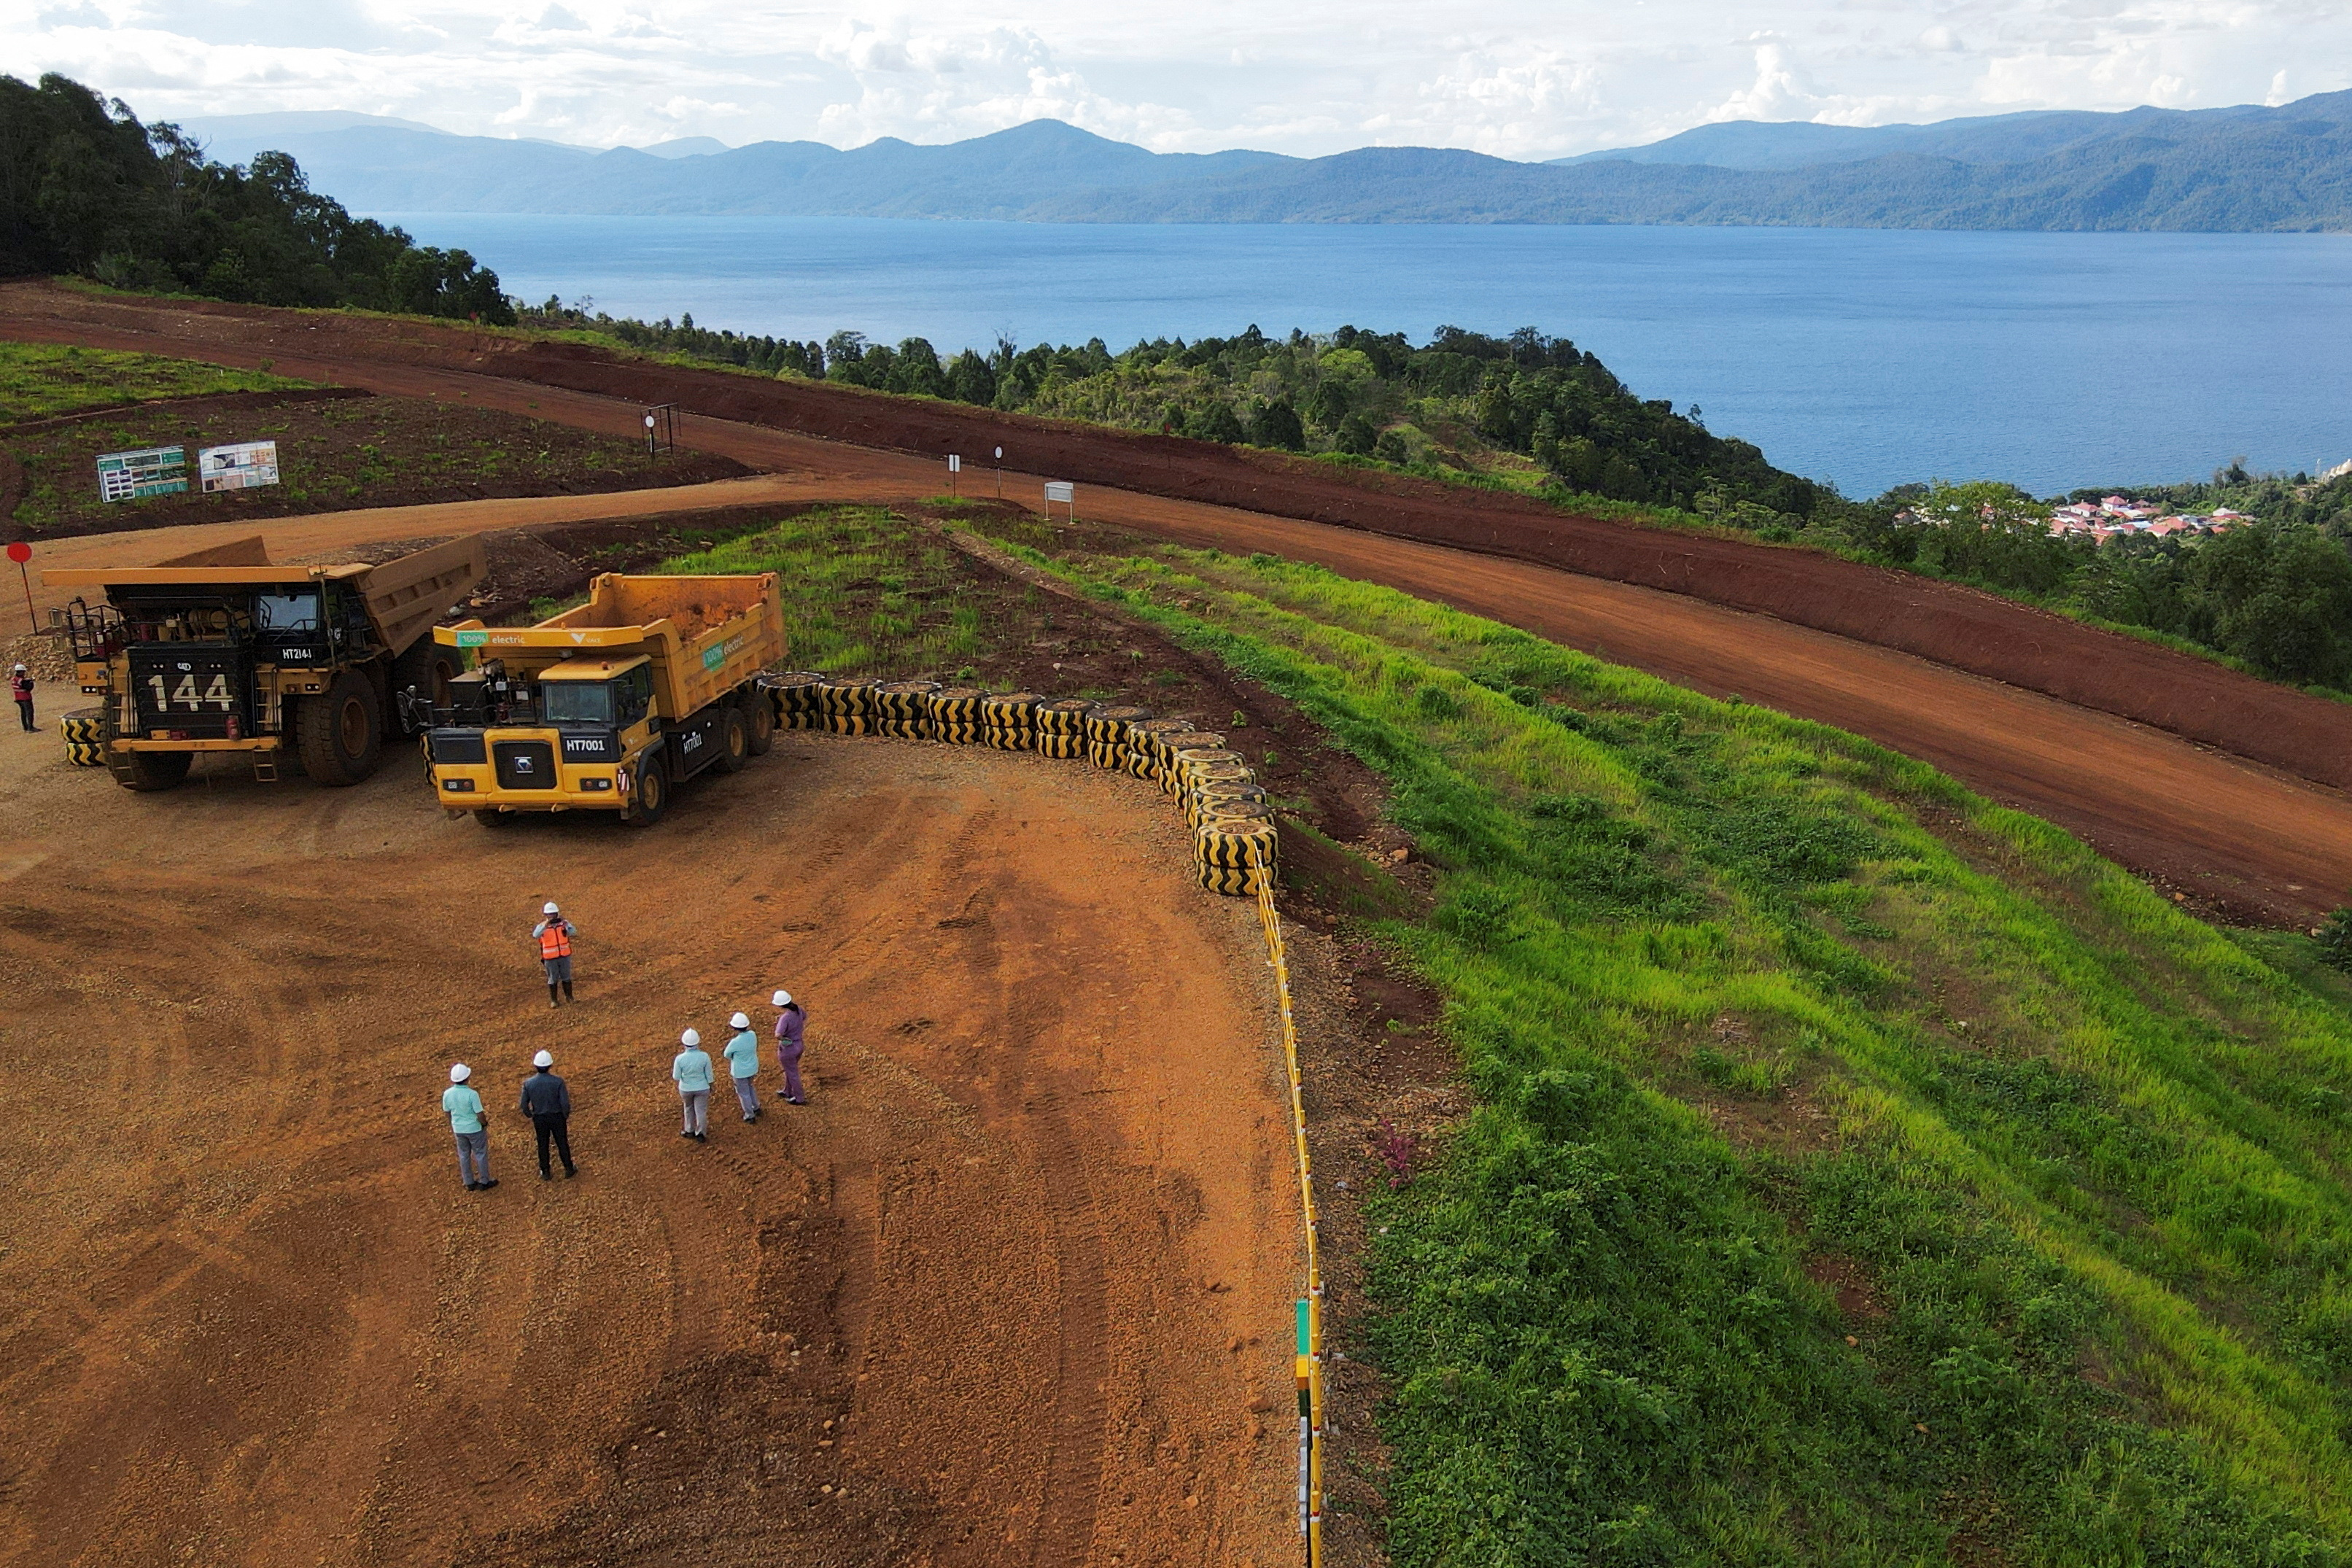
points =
(87, 190)
(1459, 401)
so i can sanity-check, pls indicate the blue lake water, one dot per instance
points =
(1867, 357)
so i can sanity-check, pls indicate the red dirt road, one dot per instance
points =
(1012, 1289)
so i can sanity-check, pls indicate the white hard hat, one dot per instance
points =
(780, 999)
(548, 908)
(690, 1039)
(18, 670)
(739, 1022)
(460, 1073)
(544, 1059)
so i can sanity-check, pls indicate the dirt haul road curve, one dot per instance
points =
(2250, 841)
(1012, 1289)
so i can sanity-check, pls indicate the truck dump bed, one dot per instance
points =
(705, 635)
(403, 597)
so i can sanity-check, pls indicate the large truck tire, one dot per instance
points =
(734, 740)
(429, 668)
(341, 733)
(650, 799)
(760, 713)
(148, 771)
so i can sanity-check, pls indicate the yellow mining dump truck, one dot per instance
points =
(224, 651)
(609, 706)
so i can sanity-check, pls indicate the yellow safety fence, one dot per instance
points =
(1309, 1362)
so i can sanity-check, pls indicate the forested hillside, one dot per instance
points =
(86, 189)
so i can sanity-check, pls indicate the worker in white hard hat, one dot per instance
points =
(20, 686)
(465, 1119)
(691, 1068)
(742, 1054)
(791, 1019)
(554, 934)
(548, 1102)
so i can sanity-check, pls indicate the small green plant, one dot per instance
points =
(2334, 941)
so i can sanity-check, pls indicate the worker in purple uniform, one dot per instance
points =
(791, 1018)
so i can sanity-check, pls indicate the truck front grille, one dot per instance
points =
(524, 764)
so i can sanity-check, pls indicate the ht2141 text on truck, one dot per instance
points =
(608, 706)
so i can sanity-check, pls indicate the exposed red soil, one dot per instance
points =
(1951, 626)
(1012, 1289)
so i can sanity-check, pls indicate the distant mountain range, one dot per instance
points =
(2242, 169)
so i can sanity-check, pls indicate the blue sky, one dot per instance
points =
(1522, 78)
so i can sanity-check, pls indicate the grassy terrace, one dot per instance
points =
(38, 381)
(1862, 1174)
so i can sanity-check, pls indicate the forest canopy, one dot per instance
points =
(86, 189)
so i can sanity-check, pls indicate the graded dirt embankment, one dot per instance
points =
(1011, 1289)
(1959, 627)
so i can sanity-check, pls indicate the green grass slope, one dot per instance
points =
(1860, 1172)
(1863, 1172)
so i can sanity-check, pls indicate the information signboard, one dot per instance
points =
(150, 471)
(243, 467)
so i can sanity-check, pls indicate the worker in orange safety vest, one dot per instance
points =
(554, 936)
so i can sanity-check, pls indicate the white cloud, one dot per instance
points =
(1527, 79)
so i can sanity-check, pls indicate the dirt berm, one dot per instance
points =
(1957, 627)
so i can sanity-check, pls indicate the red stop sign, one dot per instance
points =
(20, 552)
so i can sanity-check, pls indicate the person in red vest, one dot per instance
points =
(554, 936)
(20, 686)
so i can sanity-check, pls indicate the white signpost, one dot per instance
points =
(1065, 492)
(246, 465)
(955, 467)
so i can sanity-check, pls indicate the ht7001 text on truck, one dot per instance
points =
(608, 706)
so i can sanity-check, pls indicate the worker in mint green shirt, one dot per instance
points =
(691, 1068)
(742, 1054)
(473, 1134)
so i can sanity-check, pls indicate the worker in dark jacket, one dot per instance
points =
(548, 1102)
(20, 686)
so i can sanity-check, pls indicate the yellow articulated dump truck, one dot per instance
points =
(611, 705)
(224, 651)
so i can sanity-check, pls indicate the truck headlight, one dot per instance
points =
(595, 783)
(459, 786)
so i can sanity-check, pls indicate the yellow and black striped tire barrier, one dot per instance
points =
(954, 707)
(1066, 716)
(1016, 739)
(904, 729)
(84, 730)
(956, 734)
(1107, 754)
(1010, 709)
(1060, 745)
(1231, 856)
(795, 694)
(1111, 723)
(851, 696)
(904, 702)
(1149, 740)
(849, 725)
(1175, 749)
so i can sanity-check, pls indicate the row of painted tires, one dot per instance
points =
(1234, 841)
